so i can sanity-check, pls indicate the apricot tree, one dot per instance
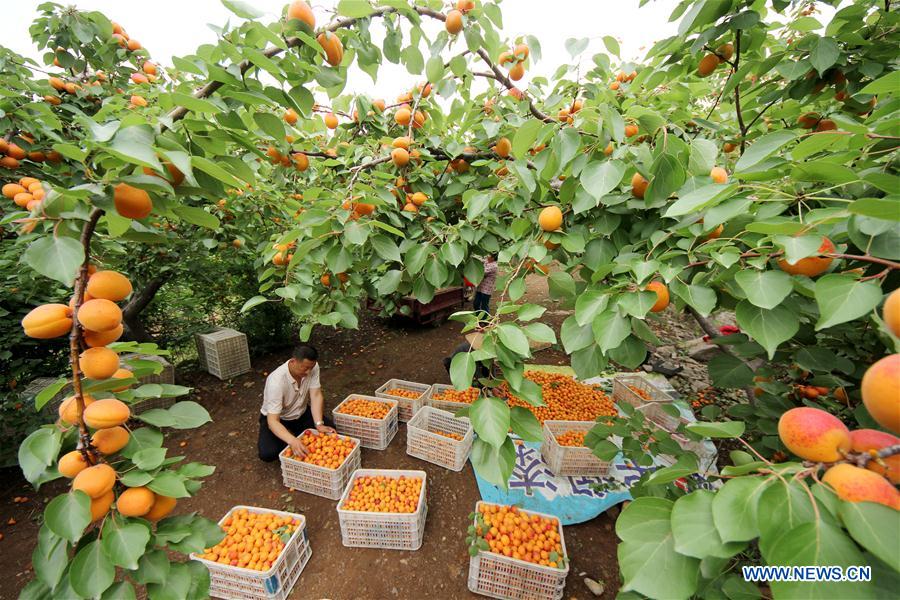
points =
(748, 165)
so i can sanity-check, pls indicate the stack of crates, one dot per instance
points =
(223, 353)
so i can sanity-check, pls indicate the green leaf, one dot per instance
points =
(153, 567)
(462, 369)
(272, 125)
(637, 304)
(823, 54)
(729, 372)
(601, 177)
(135, 145)
(701, 198)
(50, 557)
(490, 419)
(387, 249)
(91, 571)
(525, 136)
(55, 257)
(769, 328)
(797, 247)
(242, 9)
(525, 424)
(149, 458)
(843, 298)
(514, 339)
(476, 204)
(589, 305)
(648, 561)
(701, 298)
(119, 591)
(494, 464)
(693, 528)
(389, 282)
(875, 528)
(765, 289)
(721, 429)
(197, 105)
(783, 506)
(254, 301)
(357, 9)
(37, 452)
(68, 514)
(887, 84)
(434, 69)
(611, 44)
(735, 507)
(763, 148)
(125, 543)
(574, 336)
(610, 330)
(168, 483)
(879, 208)
(197, 216)
(562, 285)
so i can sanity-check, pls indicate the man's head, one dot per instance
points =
(303, 360)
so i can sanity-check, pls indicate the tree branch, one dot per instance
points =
(712, 331)
(499, 76)
(737, 90)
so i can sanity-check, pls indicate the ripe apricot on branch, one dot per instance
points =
(725, 51)
(331, 121)
(162, 506)
(503, 147)
(100, 506)
(707, 65)
(109, 285)
(454, 22)
(132, 202)
(331, 44)
(550, 218)
(814, 434)
(111, 439)
(891, 312)
(98, 363)
(301, 11)
(880, 389)
(868, 440)
(403, 116)
(639, 185)
(135, 502)
(854, 484)
(95, 481)
(48, 321)
(517, 72)
(102, 338)
(662, 296)
(106, 413)
(400, 157)
(71, 464)
(812, 265)
(718, 175)
(631, 130)
(68, 409)
(99, 315)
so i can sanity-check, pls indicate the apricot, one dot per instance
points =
(418, 198)
(517, 71)
(854, 484)
(48, 321)
(707, 65)
(465, 5)
(401, 142)
(134, 45)
(110, 440)
(454, 22)
(136, 100)
(718, 175)
(503, 147)
(95, 481)
(868, 440)
(378, 105)
(135, 502)
(71, 464)
(68, 409)
(176, 177)
(521, 52)
(891, 312)
(301, 161)
(715, 233)
(100, 506)
(11, 190)
(98, 363)
(99, 314)
(615, 85)
(106, 413)
(109, 285)
(880, 389)
(331, 121)
(550, 218)
(331, 44)
(149, 68)
(631, 130)
(516, 93)
(419, 119)
(290, 116)
(162, 506)
(132, 202)
(826, 125)
(9, 162)
(400, 157)
(57, 84)
(728, 147)
(94, 339)
(410, 207)
(16, 152)
(808, 120)
(23, 199)
(726, 51)
(814, 434)
(639, 185)
(662, 295)
(403, 116)
(301, 11)
(810, 266)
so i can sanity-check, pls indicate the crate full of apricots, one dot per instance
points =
(446, 397)
(640, 393)
(410, 396)
(371, 420)
(326, 469)
(564, 452)
(384, 508)
(437, 436)
(515, 553)
(261, 557)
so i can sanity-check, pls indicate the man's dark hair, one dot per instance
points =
(305, 352)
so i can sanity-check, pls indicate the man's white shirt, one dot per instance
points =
(284, 396)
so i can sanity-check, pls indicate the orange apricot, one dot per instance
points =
(868, 440)
(880, 394)
(814, 434)
(110, 440)
(662, 295)
(135, 502)
(132, 202)
(95, 481)
(99, 314)
(810, 266)
(98, 363)
(68, 409)
(854, 484)
(109, 285)
(48, 321)
(550, 218)
(106, 413)
(71, 464)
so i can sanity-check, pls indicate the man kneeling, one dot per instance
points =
(292, 403)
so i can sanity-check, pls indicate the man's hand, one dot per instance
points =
(298, 448)
(325, 429)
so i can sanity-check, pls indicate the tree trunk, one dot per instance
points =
(131, 313)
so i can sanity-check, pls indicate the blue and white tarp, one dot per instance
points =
(577, 499)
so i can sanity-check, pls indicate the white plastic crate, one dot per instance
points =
(439, 388)
(223, 353)
(166, 375)
(406, 407)
(651, 405)
(392, 531)
(499, 576)
(570, 461)
(236, 583)
(320, 481)
(423, 440)
(371, 433)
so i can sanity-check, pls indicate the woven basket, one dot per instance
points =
(391, 531)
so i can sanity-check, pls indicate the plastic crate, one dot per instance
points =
(390, 531)
(499, 576)
(223, 353)
(320, 481)
(651, 406)
(236, 583)
(406, 407)
(440, 388)
(371, 433)
(423, 441)
(570, 461)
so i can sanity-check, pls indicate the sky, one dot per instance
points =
(177, 27)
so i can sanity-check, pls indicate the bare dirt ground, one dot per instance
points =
(351, 361)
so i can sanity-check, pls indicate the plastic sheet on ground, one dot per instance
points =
(578, 499)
